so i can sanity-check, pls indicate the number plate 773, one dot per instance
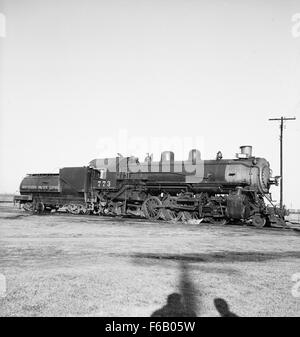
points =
(103, 183)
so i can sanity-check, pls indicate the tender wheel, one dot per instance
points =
(39, 207)
(151, 208)
(258, 221)
(28, 207)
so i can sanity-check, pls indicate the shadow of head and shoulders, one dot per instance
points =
(223, 308)
(173, 308)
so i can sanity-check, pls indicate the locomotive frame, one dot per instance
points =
(218, 191)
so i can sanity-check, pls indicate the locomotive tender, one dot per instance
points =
(218, 191)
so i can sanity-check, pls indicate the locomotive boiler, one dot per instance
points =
(218, 191)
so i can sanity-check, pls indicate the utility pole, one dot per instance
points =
(281, 119)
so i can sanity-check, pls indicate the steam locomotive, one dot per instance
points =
(218, 191)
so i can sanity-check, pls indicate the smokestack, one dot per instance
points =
(246, 150)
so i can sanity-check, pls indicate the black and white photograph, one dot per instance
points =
(149, 161)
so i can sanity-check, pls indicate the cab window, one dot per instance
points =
(102, 173)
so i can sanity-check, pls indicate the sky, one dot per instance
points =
(87, 79)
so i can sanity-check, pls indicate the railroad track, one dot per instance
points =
(138, 219)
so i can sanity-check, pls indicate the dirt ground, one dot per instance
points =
(64, 265)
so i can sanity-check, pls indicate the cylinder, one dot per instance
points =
(246, 150)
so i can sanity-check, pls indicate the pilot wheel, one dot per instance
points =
(258, 221)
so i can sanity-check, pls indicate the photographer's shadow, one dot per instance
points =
(173, 308)
(181, 304)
